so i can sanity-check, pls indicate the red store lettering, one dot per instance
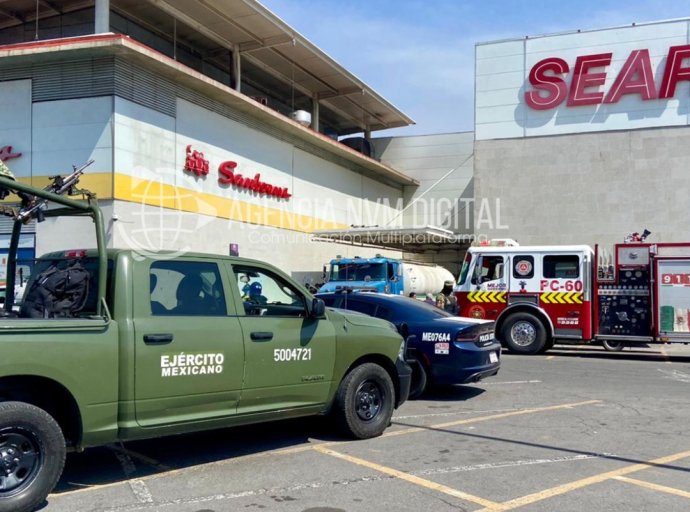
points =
(227, 176)
(636, 76)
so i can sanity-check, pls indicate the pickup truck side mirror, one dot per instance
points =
(317, 309)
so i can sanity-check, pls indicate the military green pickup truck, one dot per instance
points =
(110, 345)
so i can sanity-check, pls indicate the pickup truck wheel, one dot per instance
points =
(419, 379)
(364, 402)
(32, 455)
(524, 333)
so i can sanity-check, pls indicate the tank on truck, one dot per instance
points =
(70, 207)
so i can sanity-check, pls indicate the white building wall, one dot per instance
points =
(15, 130)
(502, 71)
(144, 140)
(443, 165)
(158, 205)
(152, 192)
(71, 132)
(581, 174)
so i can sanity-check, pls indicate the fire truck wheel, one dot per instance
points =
(547, 346)
(613, 346)
(524, 333)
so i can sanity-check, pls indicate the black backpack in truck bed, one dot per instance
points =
(59, 291)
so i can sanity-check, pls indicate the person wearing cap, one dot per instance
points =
(441, 301)
(450, 301)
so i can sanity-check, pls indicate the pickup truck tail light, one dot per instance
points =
(480, 338)
(79, 253)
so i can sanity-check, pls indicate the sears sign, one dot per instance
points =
(550, 86)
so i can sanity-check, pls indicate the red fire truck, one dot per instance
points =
(639, 293)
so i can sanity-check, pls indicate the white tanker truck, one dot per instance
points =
(385, 275)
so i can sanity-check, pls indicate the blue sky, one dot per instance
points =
(419, 54)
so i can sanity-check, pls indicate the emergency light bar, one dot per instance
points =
(496, 242)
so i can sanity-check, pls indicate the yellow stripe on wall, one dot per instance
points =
(100, 183)
(151, 193)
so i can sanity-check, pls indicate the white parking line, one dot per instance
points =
(510, 464)
(494, 383)
(676, 375)
(454, 413)
(138, 486)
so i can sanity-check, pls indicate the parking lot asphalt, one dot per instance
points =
(575, 429)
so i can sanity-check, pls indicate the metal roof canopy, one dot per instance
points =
(418, 240)
(69, 49)
(264, 39)
(261, 38)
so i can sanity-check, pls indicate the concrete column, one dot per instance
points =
(102, 21)
(315, 113)
(237, 67)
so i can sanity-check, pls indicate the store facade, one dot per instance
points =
(182, 161)
(583, 137)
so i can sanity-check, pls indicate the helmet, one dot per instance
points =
(255, 289)
(5, 171)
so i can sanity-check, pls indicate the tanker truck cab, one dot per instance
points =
(534, 293)
(377, 274)
(385, 275)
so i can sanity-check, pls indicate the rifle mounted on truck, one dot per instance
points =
(32, 205)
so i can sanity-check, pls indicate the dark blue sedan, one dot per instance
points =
(442, 349)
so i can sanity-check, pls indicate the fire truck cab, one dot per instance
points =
(639, 293)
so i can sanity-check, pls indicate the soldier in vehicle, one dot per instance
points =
(450, 301)
(255, 293)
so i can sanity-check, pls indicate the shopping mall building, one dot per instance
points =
(584, 136)
(219, 128)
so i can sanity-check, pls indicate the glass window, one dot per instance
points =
(363, 271)
(329, 301)
(186, 288)
(523, 266)
(384, 313)
(562, 266)
(267, 294)
(90, 285)
(465, 268)
(360, 306)
(492, 269)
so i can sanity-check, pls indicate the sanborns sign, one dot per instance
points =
(636, 76)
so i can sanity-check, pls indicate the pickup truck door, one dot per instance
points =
(189, 352)
(289, 356)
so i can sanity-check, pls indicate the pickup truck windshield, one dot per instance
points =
(358, 272)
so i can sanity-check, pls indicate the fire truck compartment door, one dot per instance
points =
(671, 311)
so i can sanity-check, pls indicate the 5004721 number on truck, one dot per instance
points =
(110, 345)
